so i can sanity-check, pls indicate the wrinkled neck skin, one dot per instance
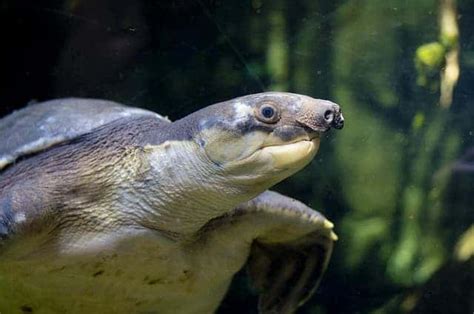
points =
(182, 190)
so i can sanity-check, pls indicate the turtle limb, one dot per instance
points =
(289, 244)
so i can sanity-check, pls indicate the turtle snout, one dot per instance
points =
(321, 115)
(333, 117)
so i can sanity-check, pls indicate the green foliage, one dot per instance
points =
(431, 55)
(429, 58)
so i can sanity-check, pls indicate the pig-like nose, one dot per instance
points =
(321, 115)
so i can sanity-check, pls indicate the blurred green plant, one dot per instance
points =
(429, 59)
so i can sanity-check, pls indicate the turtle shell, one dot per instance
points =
(43, 125)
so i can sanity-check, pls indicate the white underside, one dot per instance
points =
(168, 278)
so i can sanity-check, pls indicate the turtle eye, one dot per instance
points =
(268, 113)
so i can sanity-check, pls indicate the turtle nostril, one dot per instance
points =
(338, 122)
(329, 116)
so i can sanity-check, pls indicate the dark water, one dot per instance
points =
(398, 181)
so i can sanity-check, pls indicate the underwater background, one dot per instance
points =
(398, 181)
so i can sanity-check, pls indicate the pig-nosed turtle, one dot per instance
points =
(106, 208)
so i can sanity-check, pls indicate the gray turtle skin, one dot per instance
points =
(110, 209)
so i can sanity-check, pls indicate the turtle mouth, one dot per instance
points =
(277, 141)
(275, 156)
(291, 155)
(279, 153)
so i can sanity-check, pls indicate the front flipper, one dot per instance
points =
(288, 274)
(290, 255)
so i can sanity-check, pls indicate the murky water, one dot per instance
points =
(397, 182)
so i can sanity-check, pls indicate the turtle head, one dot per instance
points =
(225, 154)
(264, 138)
